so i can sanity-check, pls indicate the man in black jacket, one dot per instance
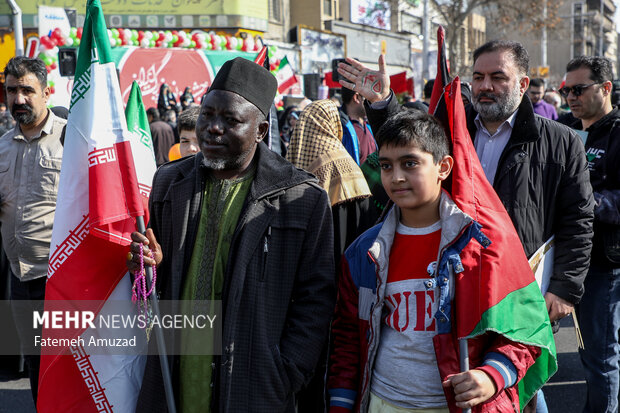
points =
(240, 224)
(537, 166)
(588, 91)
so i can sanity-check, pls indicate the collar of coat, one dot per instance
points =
(273, 173)
(524, 130)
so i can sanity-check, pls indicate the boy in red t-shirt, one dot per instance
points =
(394, 297)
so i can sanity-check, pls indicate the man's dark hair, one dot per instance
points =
(428, 88)
(347, 95)
(153, 113)
(519, 54)
(537, 82)
(20, 66)
(415, 127)
(168, 115)
(187, 119)
(601, 69)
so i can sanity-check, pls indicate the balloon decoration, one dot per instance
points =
(175, 152)
(197, 39)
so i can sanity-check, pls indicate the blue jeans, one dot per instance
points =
(541, 403)
(599, 319)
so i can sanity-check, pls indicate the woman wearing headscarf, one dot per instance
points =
(316, 146)
(166, 100)
(186, 98)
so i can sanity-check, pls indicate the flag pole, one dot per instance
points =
(159, 335)
(464, 360)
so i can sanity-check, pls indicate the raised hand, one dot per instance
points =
(371, 84)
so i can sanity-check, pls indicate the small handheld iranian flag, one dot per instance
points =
(100, 195)
(285, 76)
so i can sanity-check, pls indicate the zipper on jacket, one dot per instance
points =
(367, 372)
(265, 252)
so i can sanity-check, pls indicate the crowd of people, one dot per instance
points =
(320, 226)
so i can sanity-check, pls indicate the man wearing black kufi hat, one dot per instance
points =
(240, 224)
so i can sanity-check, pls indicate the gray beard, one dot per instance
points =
(225, 164)
(501, 109)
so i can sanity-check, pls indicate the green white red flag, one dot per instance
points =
(100, 194)
(285, 76)
(497, 292)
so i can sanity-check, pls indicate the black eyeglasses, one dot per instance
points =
(577, 89)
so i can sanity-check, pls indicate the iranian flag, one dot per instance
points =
(100, 195)
(285, 76)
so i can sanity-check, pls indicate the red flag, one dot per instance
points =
(261, 56)
(398, 82)
(496, 291)
(443, 75)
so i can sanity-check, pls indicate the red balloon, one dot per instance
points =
(158, 43)
(53, 66)
(120, 33)
(46, 42)
(162, 36)
(79, 33)
(57, 33)
(140, 36)
(52, 90)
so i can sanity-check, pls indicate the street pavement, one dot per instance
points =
(565, 392)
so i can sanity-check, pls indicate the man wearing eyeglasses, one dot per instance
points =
(588, 92)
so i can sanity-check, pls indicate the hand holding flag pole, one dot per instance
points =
(437, 108)
(159, 335)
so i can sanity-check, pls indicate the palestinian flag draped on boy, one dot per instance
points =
(496, 292)
(99, 197)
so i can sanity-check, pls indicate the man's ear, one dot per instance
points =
(524, 84)
(608, 87)
(46, 92)
(445, 167)
(263, 128)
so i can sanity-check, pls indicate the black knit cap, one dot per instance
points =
(248, 80)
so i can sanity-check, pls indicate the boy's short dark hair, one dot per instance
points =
(188, 118)
(347, 95)
(153, 113)
(20, 66)
(414, 127)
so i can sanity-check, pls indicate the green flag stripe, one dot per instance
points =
(283, 62)
(137, 121)
(94, 46)
(522, 317)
